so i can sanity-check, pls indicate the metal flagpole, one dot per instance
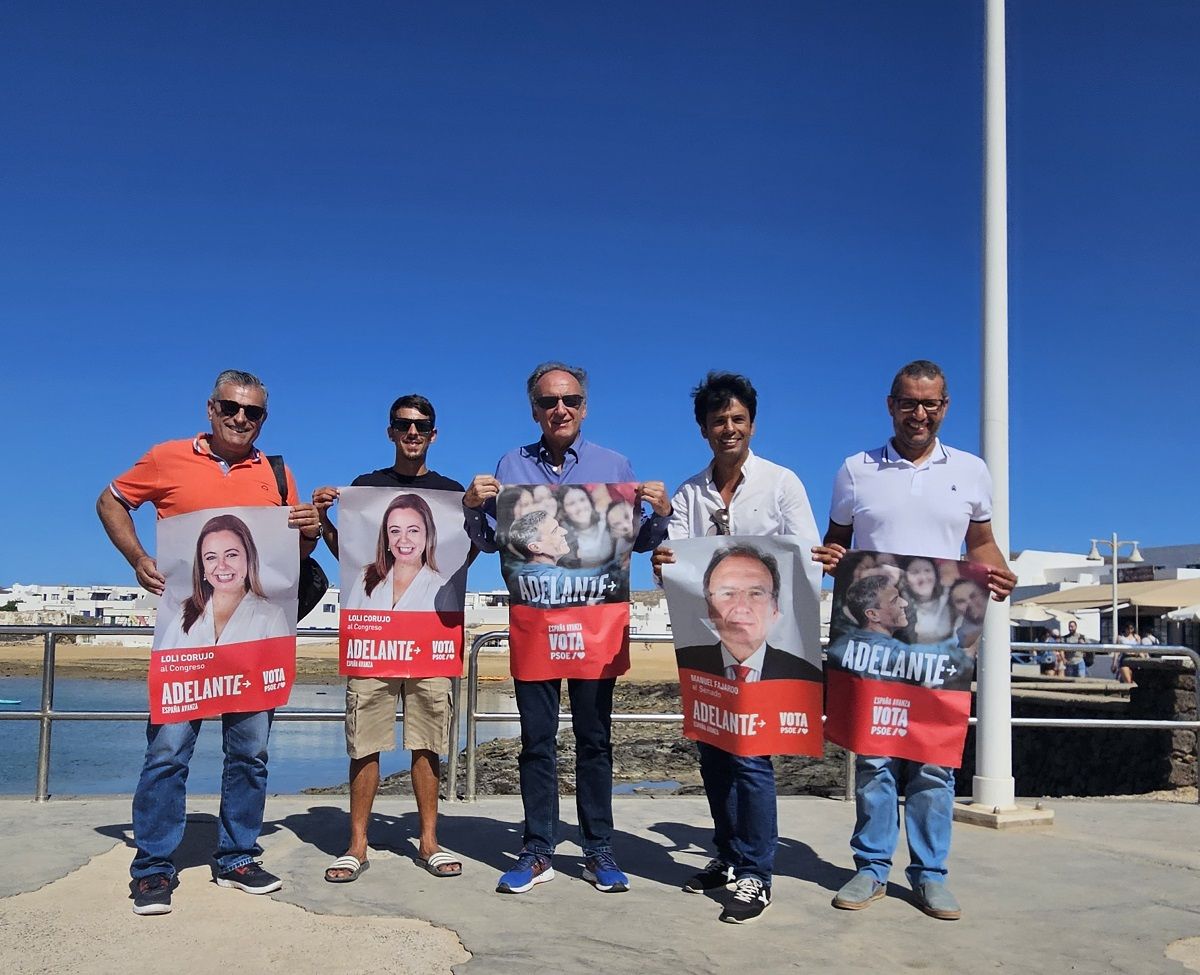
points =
(993, 784)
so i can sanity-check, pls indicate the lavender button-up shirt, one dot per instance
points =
(584, 463)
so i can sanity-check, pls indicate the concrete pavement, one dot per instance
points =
(1114, 885)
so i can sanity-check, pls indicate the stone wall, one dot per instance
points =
(1103, 761)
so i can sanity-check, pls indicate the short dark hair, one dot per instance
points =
(864, 595)
(747, 552)
(578, 372)
(718, 389)
(525, 530)
(413, 401)
(920, 369)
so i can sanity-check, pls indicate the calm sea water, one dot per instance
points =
(105, 757)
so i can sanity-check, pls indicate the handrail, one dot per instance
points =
(46, 715)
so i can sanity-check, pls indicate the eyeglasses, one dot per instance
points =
(424, 427)
(906, 405)
(231, 408)
(572, 401)
(720, 518)
(727, 594)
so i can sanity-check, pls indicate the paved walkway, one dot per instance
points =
(1112, 886)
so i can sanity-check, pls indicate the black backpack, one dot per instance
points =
(313, 581)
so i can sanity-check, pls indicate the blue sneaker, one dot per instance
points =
(530, 870)
(601, 870)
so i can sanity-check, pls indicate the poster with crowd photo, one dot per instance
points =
(403, 558)
(225, 636)
(903, 637)
(745, 615)
(564, 555)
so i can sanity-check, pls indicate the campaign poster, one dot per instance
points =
(403, 558)
(564, 555)
(903, 638)
(746, 620)
(225, 636)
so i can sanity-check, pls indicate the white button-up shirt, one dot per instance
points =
(769, 500)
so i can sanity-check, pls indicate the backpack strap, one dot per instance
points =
(276, 462)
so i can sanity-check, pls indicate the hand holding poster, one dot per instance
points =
(903, 638)
(403, 559)
(225, 637)
(564, 555)
(746, 621)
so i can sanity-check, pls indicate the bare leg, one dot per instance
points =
(426, 780)
(364, 784)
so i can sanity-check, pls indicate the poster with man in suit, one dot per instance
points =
(746, 622)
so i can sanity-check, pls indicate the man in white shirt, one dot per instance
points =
(912, 496)
(737, 494)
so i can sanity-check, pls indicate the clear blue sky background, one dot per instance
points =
(361, 201)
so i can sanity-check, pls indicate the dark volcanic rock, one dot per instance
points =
(643, 752)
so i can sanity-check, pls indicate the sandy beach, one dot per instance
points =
(315, 662)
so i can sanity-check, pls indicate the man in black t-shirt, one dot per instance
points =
(371, 701)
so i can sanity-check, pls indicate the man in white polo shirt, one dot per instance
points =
(912, 496)
(737, 494)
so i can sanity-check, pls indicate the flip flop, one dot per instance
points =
(440, 859)
(347, 862)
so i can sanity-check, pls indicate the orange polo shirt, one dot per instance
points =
(183, 475)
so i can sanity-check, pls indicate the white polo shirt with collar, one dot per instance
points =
(896, 506)
(769, 500)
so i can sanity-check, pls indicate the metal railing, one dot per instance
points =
(474, 715)
(46, 715)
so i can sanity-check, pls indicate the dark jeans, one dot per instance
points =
(159, 813)
(591, 718)
(741, 798)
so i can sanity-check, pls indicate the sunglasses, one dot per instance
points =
(571, 401)
(720, 518)
(231, 408)
(424, 427)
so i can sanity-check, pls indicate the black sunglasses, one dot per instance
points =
(401, 424)
(572, 401)
(720, 518)
(231, 408)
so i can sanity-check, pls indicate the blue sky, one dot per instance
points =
(364, 201)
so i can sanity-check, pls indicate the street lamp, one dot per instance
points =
(1115, 545)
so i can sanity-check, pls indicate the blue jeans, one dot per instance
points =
(1075, 668)
(741, 798)
(591, 718)
(159, 804)
(928, 815)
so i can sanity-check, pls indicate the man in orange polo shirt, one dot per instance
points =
(222, 469)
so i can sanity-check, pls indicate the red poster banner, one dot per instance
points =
(590, 642)
(205, 682)
(387, 643)
(886, 717)
(765, 717)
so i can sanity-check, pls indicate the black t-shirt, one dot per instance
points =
(387, 477)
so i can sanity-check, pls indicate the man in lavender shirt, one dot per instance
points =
(558, 397)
